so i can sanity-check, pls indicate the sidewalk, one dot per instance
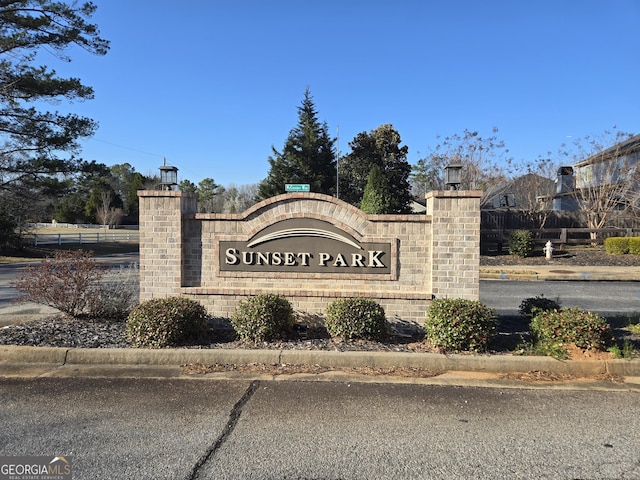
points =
(551, 272)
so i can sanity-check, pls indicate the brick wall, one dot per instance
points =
(161, 239)
(432, 254)
(455, 243)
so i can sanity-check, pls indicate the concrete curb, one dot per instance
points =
(16, 355)
(12, 355)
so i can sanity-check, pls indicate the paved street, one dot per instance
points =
(618, 298)
(217, 429)
(8, 274)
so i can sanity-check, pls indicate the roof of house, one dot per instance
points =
(630, 145)
(518, 188)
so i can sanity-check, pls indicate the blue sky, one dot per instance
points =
(212, 85)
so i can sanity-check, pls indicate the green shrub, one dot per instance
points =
(458, 324)
(521, 243)
(634, 245)
(616, 245)
(572, 325)
(356, 318)
(625, 351)
(262, 317)
(529, 306)
(166, 322)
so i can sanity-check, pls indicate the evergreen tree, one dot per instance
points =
(70, 210)
(375, 199)
(208, 195)
(381, 148)
(126, 182)
(307, 156)
(187, 186)
(37, 147)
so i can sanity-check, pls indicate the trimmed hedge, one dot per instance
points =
(572, 325)
(458, 324)
(262, 318)
(356, 318)
(166, 322)
(622, 245)
(616, 245)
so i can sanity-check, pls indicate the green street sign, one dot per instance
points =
(297, 187)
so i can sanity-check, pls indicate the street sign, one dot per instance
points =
(297, 187)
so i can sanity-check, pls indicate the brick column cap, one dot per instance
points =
(454, 194)
(165, 193)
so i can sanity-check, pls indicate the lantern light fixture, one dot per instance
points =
(168, 176)
(453, 176)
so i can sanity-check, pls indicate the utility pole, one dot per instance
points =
(338, 161)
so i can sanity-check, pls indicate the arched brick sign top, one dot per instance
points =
(307, 205)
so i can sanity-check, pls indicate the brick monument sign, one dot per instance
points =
(312, 249)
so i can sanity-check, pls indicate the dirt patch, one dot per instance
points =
(551, 377)
(290, 369)
(576, 353)
(538, 376)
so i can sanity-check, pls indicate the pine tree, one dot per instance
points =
(376, 193)
(38, 147)
(307, 156)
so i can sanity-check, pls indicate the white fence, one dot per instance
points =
(87, 237)
(79, 225)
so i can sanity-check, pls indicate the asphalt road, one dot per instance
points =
(605, 298)
(9, 272)
(217, 429)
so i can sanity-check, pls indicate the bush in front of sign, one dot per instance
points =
(459, 324)
(166, 322)
(262, 318)
(572, 325)
(356, 318)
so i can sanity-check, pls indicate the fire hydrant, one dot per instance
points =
(548, 250)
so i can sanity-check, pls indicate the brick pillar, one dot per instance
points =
(455, 243)
(161, 230)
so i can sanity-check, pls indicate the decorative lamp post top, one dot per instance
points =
(453, 176)
(168, 176)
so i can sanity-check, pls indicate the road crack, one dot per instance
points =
(234, 416)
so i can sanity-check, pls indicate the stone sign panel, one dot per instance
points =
(305, 246)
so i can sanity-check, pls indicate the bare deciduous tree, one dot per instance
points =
(607, 179)
(105, 214)
(537, 188)
(484, 161)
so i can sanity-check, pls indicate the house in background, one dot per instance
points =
(616, 169)
(529, 192)
(564, 198)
